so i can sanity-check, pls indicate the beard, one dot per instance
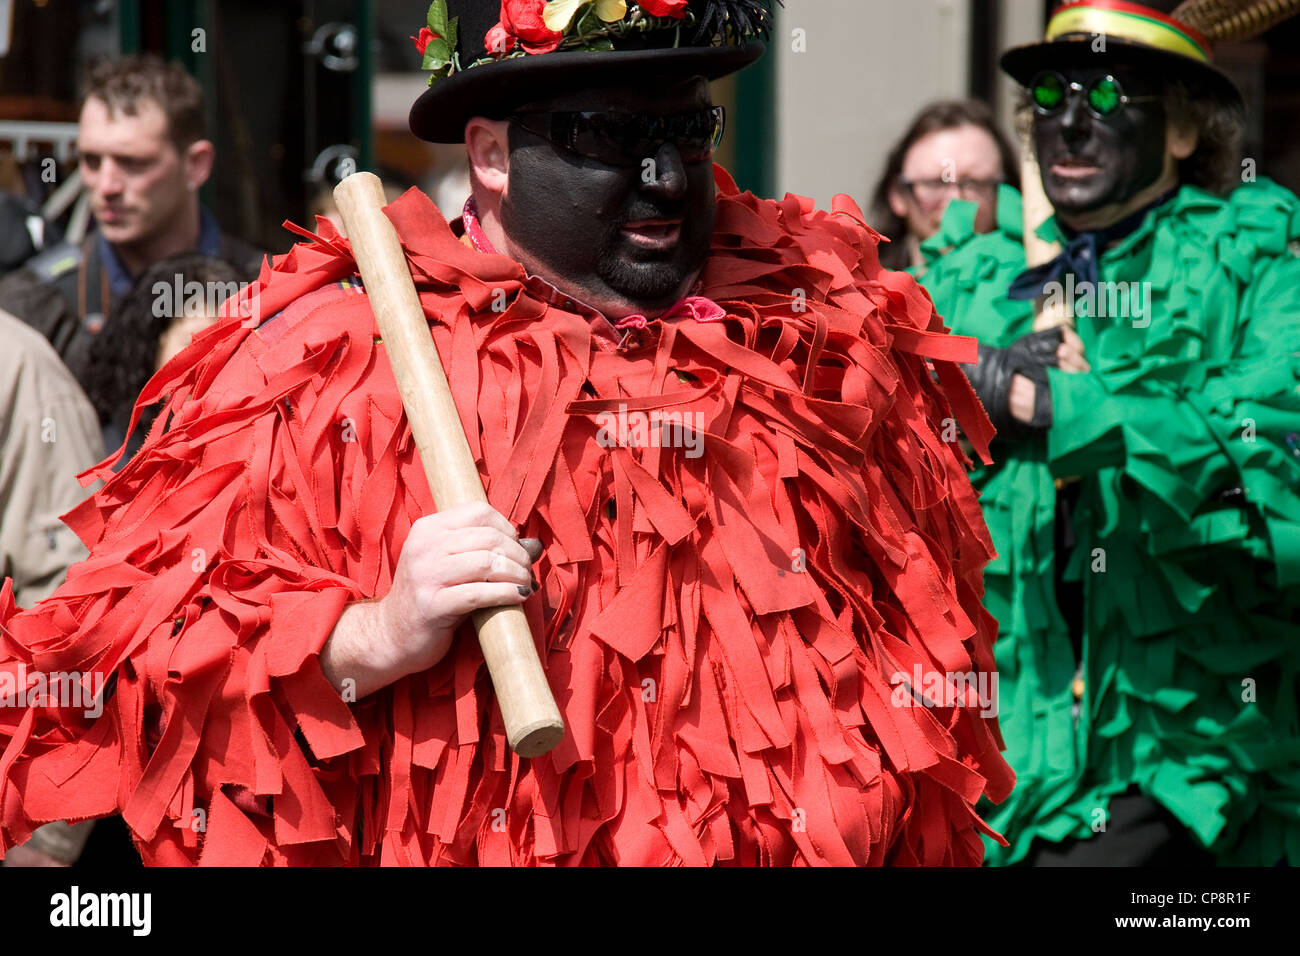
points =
(653, 277)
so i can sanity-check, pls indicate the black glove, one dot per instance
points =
(1029, 355)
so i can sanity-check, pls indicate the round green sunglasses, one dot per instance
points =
(1104, 96)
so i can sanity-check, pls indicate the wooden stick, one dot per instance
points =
(533, 722)
(1036, 209)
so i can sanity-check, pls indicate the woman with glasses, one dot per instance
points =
(953, 149)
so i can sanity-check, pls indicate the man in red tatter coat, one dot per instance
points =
(712, 419)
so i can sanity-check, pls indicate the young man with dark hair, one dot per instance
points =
(712, 447)
(144, 154)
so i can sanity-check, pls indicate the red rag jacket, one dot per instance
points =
(731, 623)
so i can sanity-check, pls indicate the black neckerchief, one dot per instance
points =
(1080, 254)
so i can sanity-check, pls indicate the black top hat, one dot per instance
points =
(650, 40)
(1087, 32)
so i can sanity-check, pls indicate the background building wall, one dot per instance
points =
(1020, 22)
(868, 66)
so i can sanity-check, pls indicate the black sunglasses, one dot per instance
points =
(627, 139)
(1050, 91)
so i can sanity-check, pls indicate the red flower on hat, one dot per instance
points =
(664, 8)
(522, 19)
(422, 41)
(498, 42)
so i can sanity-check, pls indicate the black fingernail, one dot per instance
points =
(524, 592)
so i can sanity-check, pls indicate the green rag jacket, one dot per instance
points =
(1185, 438)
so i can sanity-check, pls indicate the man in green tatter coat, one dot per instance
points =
(1145, 495)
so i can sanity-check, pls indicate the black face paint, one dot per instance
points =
(1091, 162)
(567, 213)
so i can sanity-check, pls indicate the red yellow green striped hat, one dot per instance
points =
(1087, 32)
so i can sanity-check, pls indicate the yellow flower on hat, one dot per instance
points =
(559, 14)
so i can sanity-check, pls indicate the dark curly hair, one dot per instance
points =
(124, 354)
(1215, 165)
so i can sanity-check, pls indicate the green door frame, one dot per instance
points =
(755, 160)
(184, 16)
(363, 133)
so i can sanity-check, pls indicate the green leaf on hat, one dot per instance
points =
(439, 51)
(440, 72)
(438, 18)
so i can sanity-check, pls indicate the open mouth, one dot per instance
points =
(654, 233)
(1074, 169)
